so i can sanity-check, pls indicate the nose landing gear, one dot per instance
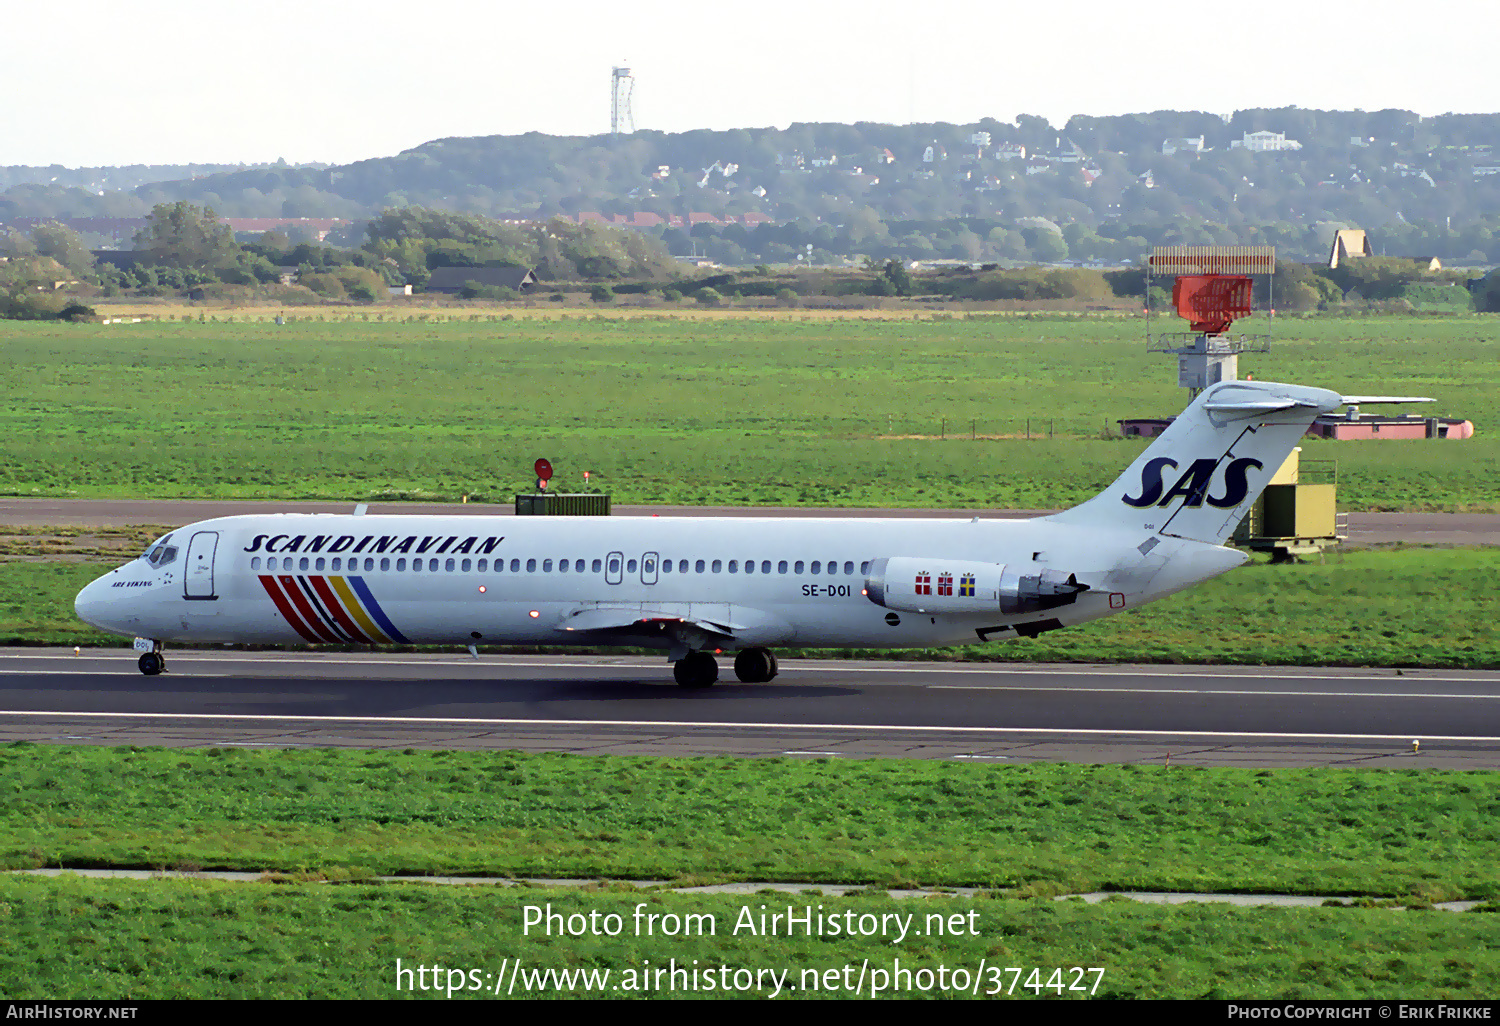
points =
(152, 663)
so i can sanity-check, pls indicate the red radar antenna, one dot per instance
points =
(1213, 287)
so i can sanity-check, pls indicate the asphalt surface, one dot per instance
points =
(1241, 716)
(1364, 528)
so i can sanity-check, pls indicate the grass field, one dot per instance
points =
(153, 940)
(724, 409)
(1034, 830)
(1394, 607)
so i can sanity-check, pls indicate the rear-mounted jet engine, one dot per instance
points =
(958, 586)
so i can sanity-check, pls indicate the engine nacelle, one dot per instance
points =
(919, 585)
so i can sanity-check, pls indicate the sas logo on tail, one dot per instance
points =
(1194, 483)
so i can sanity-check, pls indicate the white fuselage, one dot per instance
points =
(460, 580)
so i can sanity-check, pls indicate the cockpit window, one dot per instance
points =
(160, 552)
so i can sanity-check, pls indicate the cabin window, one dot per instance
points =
(578, 566)
(666, 566)
(319, 565)
(515, 566)
(546, 566)
(781, 567)
(450, 564)
(682, 566)
(483, 566)
(749, 566)
(302, 563)
(765, 566)
(385, 563)
(416, 566)
(718, 565)
(401, 564)
(797, 568)
(597, 565)
(531, 566)
(254, 562)
(614, 566)
(466, 565)
(630, 566)
(848, 567)
(864, 567)
(734, 566)
(698, 566)
(335, 564)
(562, 566)
(816, 566)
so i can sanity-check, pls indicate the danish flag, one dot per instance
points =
(924, 583)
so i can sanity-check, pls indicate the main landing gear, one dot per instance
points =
(696, 670)
(755, 665)
(700, 670)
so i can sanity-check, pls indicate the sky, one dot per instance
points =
(181, 81)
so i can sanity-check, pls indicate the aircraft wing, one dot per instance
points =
(1360, 400)
(645, 615)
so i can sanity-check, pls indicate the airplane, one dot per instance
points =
(700, 586)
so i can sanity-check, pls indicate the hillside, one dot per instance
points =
(1097, 188)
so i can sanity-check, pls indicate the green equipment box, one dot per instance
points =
(555, 504)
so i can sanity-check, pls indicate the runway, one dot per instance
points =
(1207, 716)
(1364, 529)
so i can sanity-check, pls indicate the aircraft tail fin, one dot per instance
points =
(1198, 479)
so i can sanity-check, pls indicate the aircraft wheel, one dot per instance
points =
(696, 670)
(152, 663)
(755, 666)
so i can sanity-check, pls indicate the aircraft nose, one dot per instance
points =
(97, 607)
(89, 603)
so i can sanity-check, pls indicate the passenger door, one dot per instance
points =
(198, 574)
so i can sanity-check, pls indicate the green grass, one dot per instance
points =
(153, 940)
(1043, 828)
(671, 410)
(1430, 607)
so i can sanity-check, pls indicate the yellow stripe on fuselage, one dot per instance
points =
(356, 610)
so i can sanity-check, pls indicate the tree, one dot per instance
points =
(182, 235)
(63, 245)
(899, 277)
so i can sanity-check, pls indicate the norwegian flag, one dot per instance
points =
(945, 584)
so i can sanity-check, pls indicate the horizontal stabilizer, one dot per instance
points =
(1232, 407)
(1360, 400)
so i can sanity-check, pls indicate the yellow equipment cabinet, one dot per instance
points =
(1294, 516)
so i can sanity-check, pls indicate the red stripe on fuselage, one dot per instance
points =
(282, 606)
(331, 603)
(304, 607)
(324, 618)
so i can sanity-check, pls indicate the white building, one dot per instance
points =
(1261, 142)
(1171, 146)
